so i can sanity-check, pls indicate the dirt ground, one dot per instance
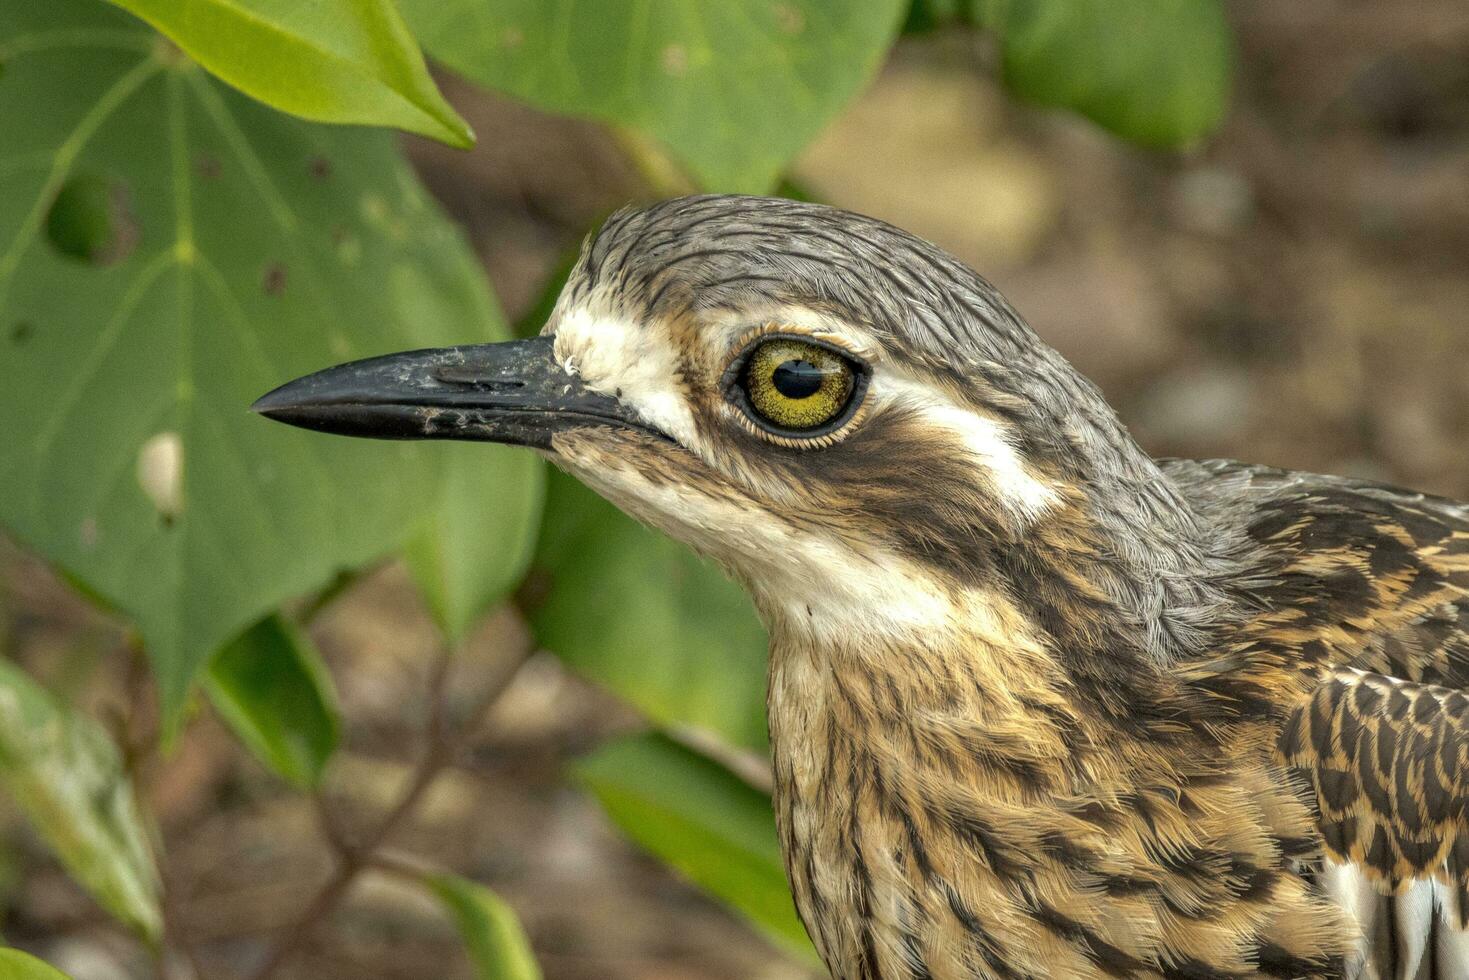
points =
(1295, 292)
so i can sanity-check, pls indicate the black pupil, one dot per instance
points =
(797, 379)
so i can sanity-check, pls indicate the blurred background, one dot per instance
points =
(1293, 290)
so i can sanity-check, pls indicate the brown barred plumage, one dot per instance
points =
(1040, 706)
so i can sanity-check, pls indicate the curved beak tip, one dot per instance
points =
(270, 402)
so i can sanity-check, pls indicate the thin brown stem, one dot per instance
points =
(444, 744)
(137, 728)
(137, 737)
(401, 865)
(326, 822)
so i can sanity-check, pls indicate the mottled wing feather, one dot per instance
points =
(1361, 646)
(1389, 762)
(1384, 572)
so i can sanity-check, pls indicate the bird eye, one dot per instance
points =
(797, 387)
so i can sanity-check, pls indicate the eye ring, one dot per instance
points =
(822, 433)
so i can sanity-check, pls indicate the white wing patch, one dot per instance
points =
(1453, 944)
(1408, 936)
(1350, 889)
(1413, 913)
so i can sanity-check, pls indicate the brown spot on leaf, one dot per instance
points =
(207, 165)
(87, 533)
(791, 20)
(534, 589)
(274, 280)
(675, 60)
(168, 53)
(321, 167)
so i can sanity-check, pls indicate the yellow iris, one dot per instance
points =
(797, 385)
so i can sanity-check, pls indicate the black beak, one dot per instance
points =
(513, 392)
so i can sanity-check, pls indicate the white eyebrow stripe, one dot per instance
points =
(1026, 497)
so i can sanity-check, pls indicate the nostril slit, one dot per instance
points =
(451, 374)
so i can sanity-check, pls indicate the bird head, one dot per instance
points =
(842, 415)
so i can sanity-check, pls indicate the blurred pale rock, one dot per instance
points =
(90, 957)
(387, 902)
(1099, 308)
(1212, 200)
(534, 704)
(926, 148)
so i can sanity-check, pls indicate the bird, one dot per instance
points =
(1040, 705)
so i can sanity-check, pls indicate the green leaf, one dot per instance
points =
(492, 935)
(272, 688)
(1153, 71)
(733, 88)
(245, 248)
(475, 546)
(15, 965)
(642, 615)
(66, 776)
(692, 813)
(339, 61)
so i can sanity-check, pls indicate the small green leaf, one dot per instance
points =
(272, 688)
(734, 88)
(66, 776)
(340, 61)
(1153, 71)
(15, 965)
(692, 813)
(492, 934)
(642, 615)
